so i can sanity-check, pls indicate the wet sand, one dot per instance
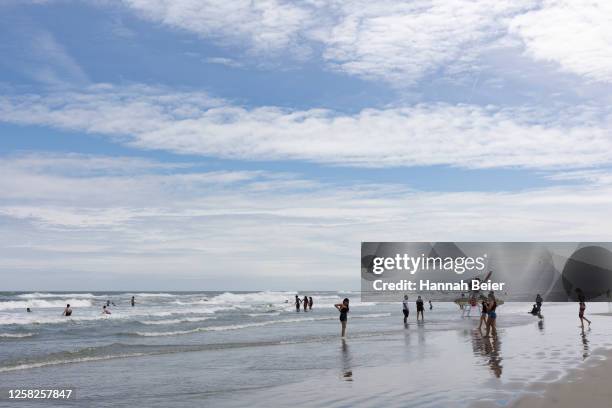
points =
(588, 386)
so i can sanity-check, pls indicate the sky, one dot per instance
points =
(254, 144)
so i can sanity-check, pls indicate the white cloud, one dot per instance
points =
(394, 41)
(575, 34)
(265, 25)
(402, 42)
(224, 61)
(126, 225)
(466, 136)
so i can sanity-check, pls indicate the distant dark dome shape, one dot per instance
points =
(588, 269)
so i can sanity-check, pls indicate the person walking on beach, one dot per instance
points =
(430, 305)
(132, 301)
(306, 303)
(310, 303)
(420, 308)
(67, 311)
(581, 314)
(297, 303)
(483, 314)
(405, 309)
(343, 308)
(582, 308)
(492, 319)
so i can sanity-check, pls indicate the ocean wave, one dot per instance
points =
(226, 328)
(144, 295)
(200, 306)
(249, 325)
(37, 295)
(263, 314)
(92, 315)
(16, 335)
(26, 366)
(365, 316)
(44, 304)
(177, 321)
(266, 297)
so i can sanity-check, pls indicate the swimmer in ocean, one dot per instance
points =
(67, 311)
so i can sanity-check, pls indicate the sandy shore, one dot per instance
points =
(589, 386)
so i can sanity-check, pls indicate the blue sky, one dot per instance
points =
(253, 145)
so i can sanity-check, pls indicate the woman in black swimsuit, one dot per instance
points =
(343, 308)
(582, 308)
(483, 314)
(581, 314)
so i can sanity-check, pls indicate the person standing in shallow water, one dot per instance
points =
(483, 314)
(343, 308)
(297, 303)
(492, 318)
(420, 308)
(305, 302)
(405, 308)
(310, 303)
(133, 301)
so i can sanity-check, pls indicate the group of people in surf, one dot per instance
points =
(420, 308)
(536, 309)
(105, 308)
(306, 303)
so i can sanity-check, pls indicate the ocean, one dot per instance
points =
(236, 349)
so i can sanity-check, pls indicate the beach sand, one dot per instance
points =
(587, 386)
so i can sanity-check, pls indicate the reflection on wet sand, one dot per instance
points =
(585, 343)
(490, 349)
(421, 334)
(347, 371)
